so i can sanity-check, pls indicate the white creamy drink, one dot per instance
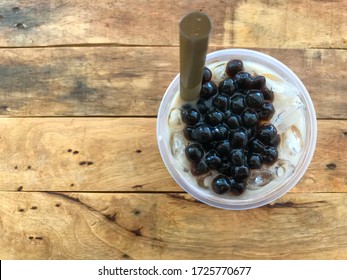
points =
(289, 119)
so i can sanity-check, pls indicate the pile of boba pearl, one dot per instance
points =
(229, 129)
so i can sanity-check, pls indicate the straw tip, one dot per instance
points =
(195, 25)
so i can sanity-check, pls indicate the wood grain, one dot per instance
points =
(290, 24)
(120, 81)
(121, 154)
(252, 23)
(169, 226)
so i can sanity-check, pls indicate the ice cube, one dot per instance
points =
(259, 178)
(287, 113)
(283, 169)
(291, 143)
(218, 73)
(284, 88)
(178, 145)
(175, 117)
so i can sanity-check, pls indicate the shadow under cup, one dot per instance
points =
(251, 198)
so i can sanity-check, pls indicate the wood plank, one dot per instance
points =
(169, 226)
(290, 24)
(121, 154)
(119, 81)
(252, 23)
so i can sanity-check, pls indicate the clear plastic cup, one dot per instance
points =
(280, 184)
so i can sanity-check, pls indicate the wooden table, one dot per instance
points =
(80, 172)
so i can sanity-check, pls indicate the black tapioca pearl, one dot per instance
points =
(256, 146)
(194, 152)
(202, 133)
(258, 82)
(225, 168)
(254, 99)
(204, 105)
(266, 133)
(249, 118)
(239, 138)
(270, 155)
(237, 188)
(237, 104)
(214, 117)
(238, 157)
(254, 161)
(233, 121)
(227, 87)
(213, 160)
(206, 75)
(220, 101)
(220, 132)
(233, 67)
(208, 89)
(268, 94)
(266, 111)
(243, 80)
(221, 184)
(240, 173)
(223, 148)
(187, 132)
(190, 116)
